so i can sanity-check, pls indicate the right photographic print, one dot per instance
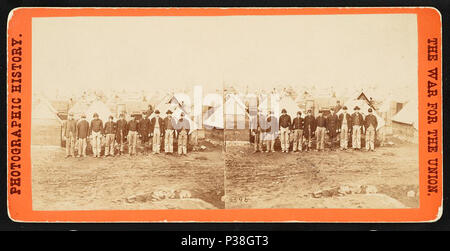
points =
(321, 111)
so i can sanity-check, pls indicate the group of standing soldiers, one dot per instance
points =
(342, 126)
(124, 132)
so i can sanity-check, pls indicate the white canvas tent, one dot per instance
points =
(409, 114)
(290, 106)
(234, 106)
(280, 103)
(45, 125)
(235, 112)
(176, 109)
(79, 108)
(364, 107)
(405, 123)
(215, 119)
(101, 109)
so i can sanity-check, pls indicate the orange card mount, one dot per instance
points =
(38, 183)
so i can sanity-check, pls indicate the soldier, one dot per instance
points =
(82, 134)
(309, 129)
(96, 131)
(332, 127)
(345, 126)
(121, 132)
(285, 125)
(321, 125)
(370, 124)
(357, 122)
(110, 131)
(70, 131)
(149, 110)
(169, 126)
(297, 128)
(183, 131)
(271, 132)
(257, 134)
(144, 131)
(337, 107)
(132, 127)
(156, 128)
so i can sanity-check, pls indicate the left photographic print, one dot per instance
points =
(117, 115)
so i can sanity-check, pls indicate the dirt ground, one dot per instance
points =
(114, 182)
(210, 179)
(292, 180)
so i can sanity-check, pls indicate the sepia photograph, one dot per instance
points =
(113, 116)
(225, 112)
(322, 112)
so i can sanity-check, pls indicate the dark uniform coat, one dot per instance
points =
(285, 121)
(309, 125)
(371, 120)
(122, 130)
(96, 126)
(332, 124)
(349, 120)
(70, 127)
(183, 124)
(110, 128)
(321, 121)
(132, 125)
(82, 129)
(169, 123)
(298, 123)
(144, 129)
(153, 123)
(357, 119)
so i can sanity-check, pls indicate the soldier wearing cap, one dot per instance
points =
(149, 110)
(321, 125)
(357, 122)
(70, 131)
(121, 132)
(309, 127)
(345, 127)
(132, 127)
(110, 131)
(183, 128)
(284, 126)
(337, 107)
(144, 131)
(370, 123)
(297, 127)
(96, 131)
(169, 131)
(156, 130)
(82, 134)
(332, 127)
(271, 131)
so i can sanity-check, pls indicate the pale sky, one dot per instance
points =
(77, 53)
